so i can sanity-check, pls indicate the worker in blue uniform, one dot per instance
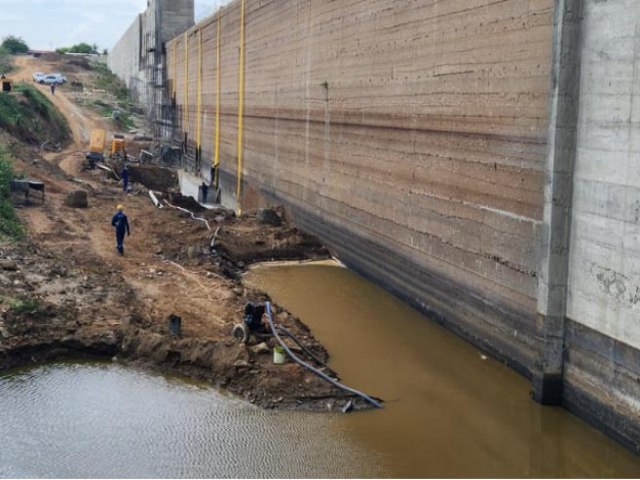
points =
(125, 179)
(121, 224)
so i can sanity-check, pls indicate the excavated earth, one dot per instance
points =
(64, 291)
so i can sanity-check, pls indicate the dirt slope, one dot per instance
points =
(90, 300)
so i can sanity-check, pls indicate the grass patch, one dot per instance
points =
(31, 117)
(10, 226)
(105, 80)
(117, 93)
(122, 120)
(24, 305)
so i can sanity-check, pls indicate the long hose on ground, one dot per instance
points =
(315, 370)
(200, 219)
(297, 342)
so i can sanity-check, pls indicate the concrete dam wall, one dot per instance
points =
(479, 159)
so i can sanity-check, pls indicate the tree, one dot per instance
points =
(15, 45)
(79, 48)
(5, 60)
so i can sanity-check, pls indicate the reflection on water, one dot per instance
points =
(450, 411)
(103, 420)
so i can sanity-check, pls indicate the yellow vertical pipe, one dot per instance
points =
(216, 155)
(240, 106)
(185, 108)
(199, 93)
(174, 85)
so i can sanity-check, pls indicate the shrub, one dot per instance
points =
(10, 226)
(15, 45)
(30, 116)
(25, 305)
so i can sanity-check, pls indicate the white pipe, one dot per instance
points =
(154, 199)
(190, 213)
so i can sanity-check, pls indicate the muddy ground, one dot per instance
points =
(65, 292)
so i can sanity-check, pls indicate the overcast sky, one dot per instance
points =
(51, 24)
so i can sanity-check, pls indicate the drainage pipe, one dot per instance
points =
(315, 370)
(304, 349)
(200, 219)
(154, 199)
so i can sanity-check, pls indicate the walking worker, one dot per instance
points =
(121, 223)
(53, 89)
(125, 179)
(205, 192)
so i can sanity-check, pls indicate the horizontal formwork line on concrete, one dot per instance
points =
(536, 140)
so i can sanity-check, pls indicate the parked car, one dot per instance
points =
(62, 78)
(38, 76)
(51, 80)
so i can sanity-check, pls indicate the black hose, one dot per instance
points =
(315, 370)
(304, 349)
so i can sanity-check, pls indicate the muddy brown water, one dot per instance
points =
(449, 412)
(101, 420)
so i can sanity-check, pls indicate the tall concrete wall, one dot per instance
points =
(476, 158)
(409, 136)
(139, 57)
(124, 61)
(602, 371)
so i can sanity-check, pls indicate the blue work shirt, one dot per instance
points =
(121, 223)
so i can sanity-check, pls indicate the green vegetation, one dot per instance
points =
(24, 305)
(5, 60)
(118, 105)
(106, 80)
(79, 48)
(10, 46)
(122, 117)
(10, 226)
(30, 116)
(14, 45)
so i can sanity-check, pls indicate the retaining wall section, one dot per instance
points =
(602, 367)
(409, 136)
(479, 159)
(139, 58)
(124, 60)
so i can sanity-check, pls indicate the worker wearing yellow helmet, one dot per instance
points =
(121, 224)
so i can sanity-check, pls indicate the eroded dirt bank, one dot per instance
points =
(66, 292)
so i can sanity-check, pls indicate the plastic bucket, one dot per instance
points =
(278, 355)
(175, 325)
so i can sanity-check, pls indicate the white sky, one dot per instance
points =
(51, 24)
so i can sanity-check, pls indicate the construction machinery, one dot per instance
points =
(96, 147)
(117, 146)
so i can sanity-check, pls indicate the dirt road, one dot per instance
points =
(91, 233)
(73, 265)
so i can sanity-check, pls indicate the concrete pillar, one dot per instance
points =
(554, 253)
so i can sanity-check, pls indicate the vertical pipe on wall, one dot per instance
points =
(199, 95)
(174, 84)
(240, 107)
(185, 106)
(216, 154)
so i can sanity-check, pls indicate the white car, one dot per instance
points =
(38, 76)
(51, 80)
(61, 77)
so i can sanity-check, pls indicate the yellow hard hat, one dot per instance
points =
(120, 207)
